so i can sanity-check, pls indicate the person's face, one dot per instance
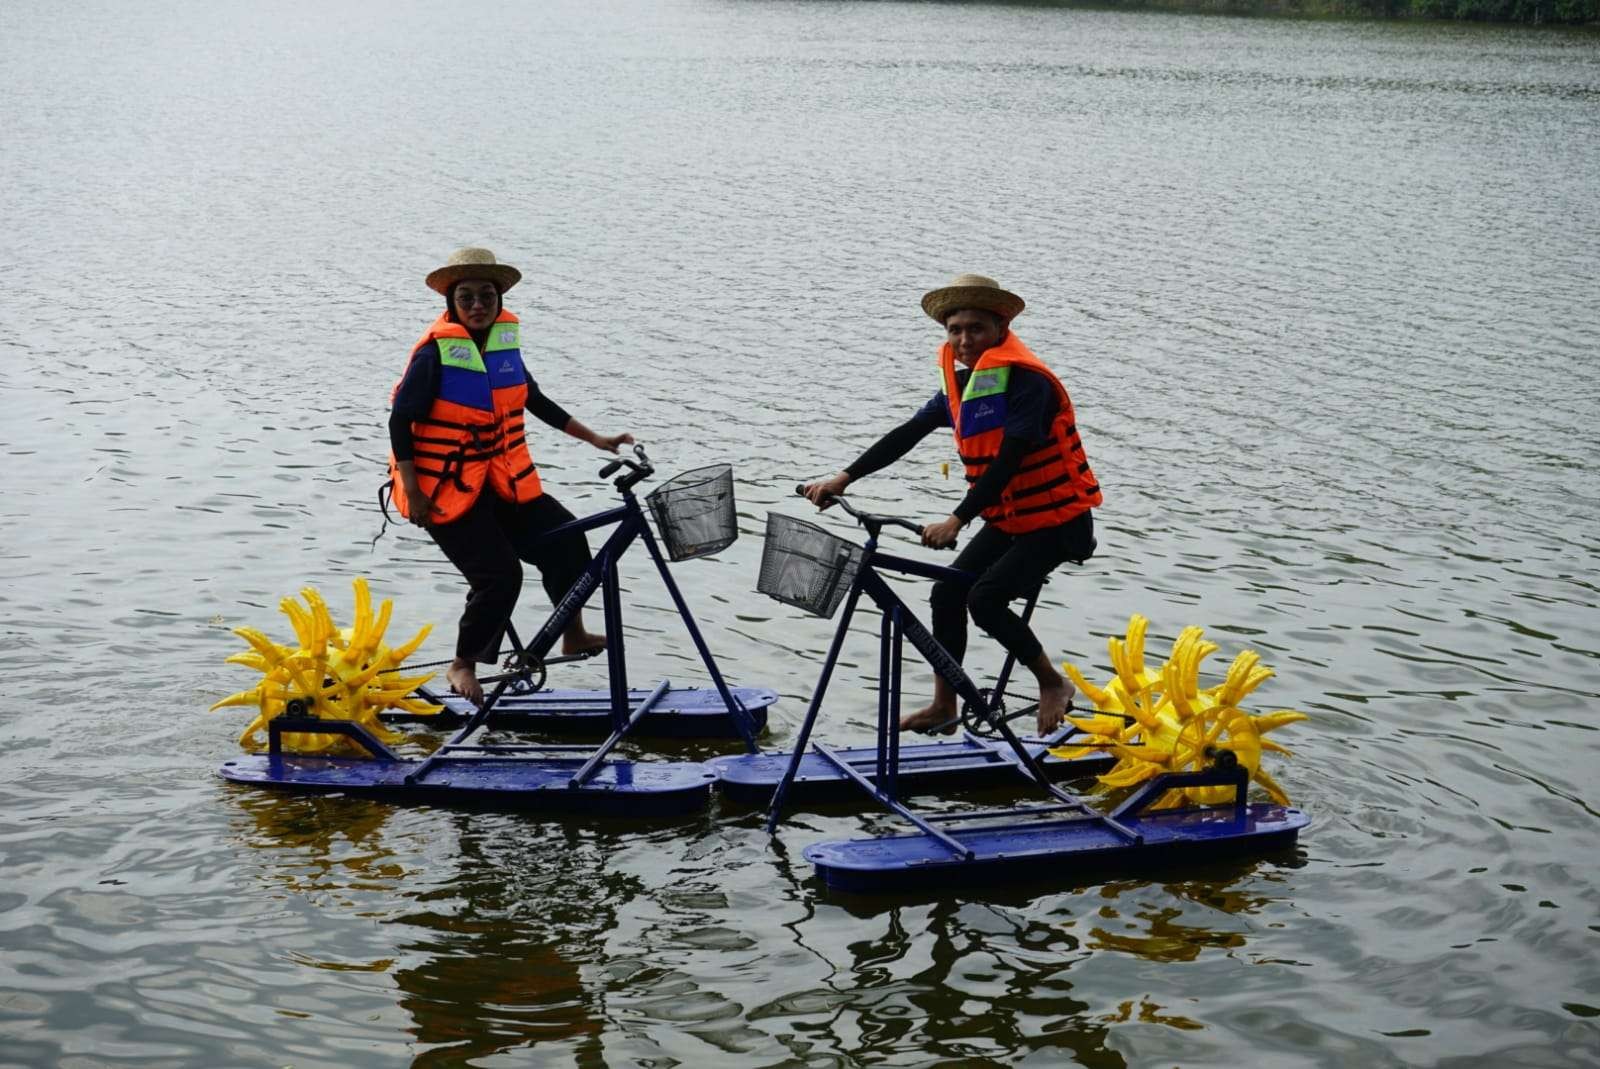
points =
(972, 333)
(476, 303)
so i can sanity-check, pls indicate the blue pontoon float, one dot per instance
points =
(806, 566)
(1069, 839)
(550, 779)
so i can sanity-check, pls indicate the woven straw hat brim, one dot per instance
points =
(941, 302)
(504, 276)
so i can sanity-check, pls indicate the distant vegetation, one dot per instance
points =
(1534, 12)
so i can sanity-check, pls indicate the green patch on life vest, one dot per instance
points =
(985, 383)
(461, 353)
(503, 336)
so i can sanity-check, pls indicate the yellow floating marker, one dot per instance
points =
(1162, 720)
(339, 674)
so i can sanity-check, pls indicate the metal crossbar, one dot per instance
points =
(593, 764)
(557, 747)
(894, 803)
(984, 754)
(996, 814)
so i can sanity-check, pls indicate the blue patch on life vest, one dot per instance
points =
(983, 414)
(505, 368)
(463, 387)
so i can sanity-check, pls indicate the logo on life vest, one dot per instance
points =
(982, 414)
(505, 367)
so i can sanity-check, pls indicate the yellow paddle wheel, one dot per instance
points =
(1162, 720)
(334, 673)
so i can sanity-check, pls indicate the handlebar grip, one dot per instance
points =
(610, 469)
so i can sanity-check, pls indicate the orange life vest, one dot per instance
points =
(1053, 483)
(473, 433)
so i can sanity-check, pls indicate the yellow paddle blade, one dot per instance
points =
(244, 697)
(340, 674)
(1268, 721)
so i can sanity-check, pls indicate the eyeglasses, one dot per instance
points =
(468, 298)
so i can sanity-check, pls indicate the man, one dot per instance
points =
(1027, 476)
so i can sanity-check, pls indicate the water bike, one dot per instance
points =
(327, 707)
(806, 566)
(696, 516)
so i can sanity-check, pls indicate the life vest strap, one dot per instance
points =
(1043, 453)
(446, 473)
(1047, 506)
(464, 456)
(1046, 487)
(447, 424)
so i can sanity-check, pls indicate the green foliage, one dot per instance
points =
(1569, 12)
(1536, 12)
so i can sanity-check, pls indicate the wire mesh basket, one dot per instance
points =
(804, 566)
(695, 512)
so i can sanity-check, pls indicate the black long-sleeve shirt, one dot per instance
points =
(1031, 407)
(420, 385)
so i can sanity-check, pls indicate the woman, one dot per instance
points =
(1027, 476)
(460, 465)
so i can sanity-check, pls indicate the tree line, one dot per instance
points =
(1532, 12)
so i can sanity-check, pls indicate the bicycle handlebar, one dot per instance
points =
(637, 470)
(870, 519)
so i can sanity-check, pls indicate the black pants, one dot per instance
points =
(1008, 567)
(488, 546)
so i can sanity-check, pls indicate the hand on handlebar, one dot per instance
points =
(942, 535)
(638, 470)
(822, 492)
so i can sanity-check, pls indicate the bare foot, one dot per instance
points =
(463, 679)
(574, 642)
(1053, 702)
(929, 717)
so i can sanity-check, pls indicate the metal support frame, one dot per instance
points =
(316, 725)
(589, 766)
(890, 801)
(601, 573)
(1231, 775)
(899, 624)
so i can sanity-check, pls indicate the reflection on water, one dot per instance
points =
(317, 845)
(1168, 931)
(488, 951)
(1324, 296)
(494, 955)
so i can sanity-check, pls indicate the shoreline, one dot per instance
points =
(1569, 14)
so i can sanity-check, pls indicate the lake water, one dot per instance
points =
(1325, 296)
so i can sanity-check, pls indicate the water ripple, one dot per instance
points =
(1323, 294)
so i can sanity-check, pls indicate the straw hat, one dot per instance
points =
(472, 262)
(972, 291)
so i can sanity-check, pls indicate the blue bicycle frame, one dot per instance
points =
(601, 573)
(899, 624)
